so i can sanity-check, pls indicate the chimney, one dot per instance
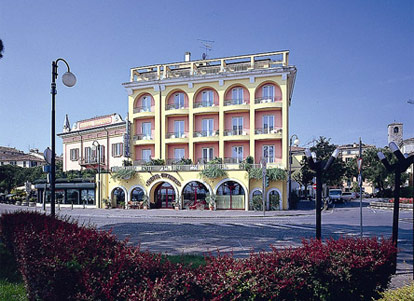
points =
(187, 56)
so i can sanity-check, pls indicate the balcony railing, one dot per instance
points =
(232, 160)
(143, 109)
(204, 104)
(173, 135)
(206, 133)
(232, 102)
(174, 106)
(270, 130)
(142, 137)
(268, 99)
(236, 132)
(93, 160)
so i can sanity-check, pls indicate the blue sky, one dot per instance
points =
(355, 59)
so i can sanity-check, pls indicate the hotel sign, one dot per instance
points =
(95, 122)
(165, 176)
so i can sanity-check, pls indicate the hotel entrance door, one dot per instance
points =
(164, 196)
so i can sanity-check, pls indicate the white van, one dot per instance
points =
(335, 195)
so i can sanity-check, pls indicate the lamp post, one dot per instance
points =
(399, 167)
(296, 143)
(69, 80)
(98, 147)
(319, 167)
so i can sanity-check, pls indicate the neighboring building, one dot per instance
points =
(230, 107)
(350, 151)
(395, 134)
(79, 153)
(17, 157)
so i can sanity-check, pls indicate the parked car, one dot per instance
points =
(348, 196)
(335, 195)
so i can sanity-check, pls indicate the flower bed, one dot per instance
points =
(402, 200)
(60, 260)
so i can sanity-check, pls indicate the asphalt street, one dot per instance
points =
(241, 232)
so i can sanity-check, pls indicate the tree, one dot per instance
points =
(304, 175)
(1, 49)
(334, 175)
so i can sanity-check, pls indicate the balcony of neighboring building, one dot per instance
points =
(177, 129)
(268, 95)
(237, 98)
(206, 101)
(268, 125)
(144, 106)
(177, 103)
(144, 131)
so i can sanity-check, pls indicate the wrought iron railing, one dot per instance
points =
(143, 109)
(268, 99)
(235, 132)
(204, 104)
(173, 135)
(206, 133)
(269, 130)
(232, 102)
(142, 137)
(175, 106)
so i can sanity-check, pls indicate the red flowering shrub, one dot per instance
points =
(61, 261)
(402, 200)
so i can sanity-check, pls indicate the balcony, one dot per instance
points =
(177, 137)
(268, 102)
(175, 109)
(205, 136)
(202, 107)
(143, 112)
(143, 139)
(236, 105)
(232, 160)
(268, 133)
(236, 134)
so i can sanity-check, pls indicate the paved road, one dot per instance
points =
(240, 232)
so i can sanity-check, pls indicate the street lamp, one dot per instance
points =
(69, 80)
(319, 167)
(98, 148)
(295, 143)
(399, 167)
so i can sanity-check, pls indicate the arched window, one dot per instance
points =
(396, 130)
(230, 195)
(195, 194)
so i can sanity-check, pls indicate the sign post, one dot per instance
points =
(264, 185)
(359, 161)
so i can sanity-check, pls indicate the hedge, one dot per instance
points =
(60, 260)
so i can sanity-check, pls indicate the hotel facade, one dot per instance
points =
(229, 108)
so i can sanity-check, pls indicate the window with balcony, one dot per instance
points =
(179, 128)
(146, 130)
(207, 153)
(268, 124)
(90, 155)
(146, 155)
(237, 153)
(178, 100)
(268, 92)
(146, 104)
(237, 96)
(268, 152)
(117, 149)
(179, 153)
(237, 125)
(207, 98)
(74, 154)
(207, 127)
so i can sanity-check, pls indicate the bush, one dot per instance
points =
(403, 293)
(60, 260)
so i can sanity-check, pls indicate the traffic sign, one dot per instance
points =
(359, 163)
(47, 154)
(314, 186)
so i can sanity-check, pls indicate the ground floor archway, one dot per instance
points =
(194, 195)
(230, 195)
(164, 196)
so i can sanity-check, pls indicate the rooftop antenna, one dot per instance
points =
(207, 46)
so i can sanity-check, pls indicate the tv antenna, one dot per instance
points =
(207, 46)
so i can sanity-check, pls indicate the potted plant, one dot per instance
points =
(145, 200)
(123, 174)
(211, 200)
(107, 203)
(32, 202)
(122, 205)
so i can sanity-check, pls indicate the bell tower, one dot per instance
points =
(395, 133)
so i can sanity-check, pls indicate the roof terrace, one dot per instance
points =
(241, 63)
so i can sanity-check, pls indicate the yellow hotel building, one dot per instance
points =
(230, 108)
